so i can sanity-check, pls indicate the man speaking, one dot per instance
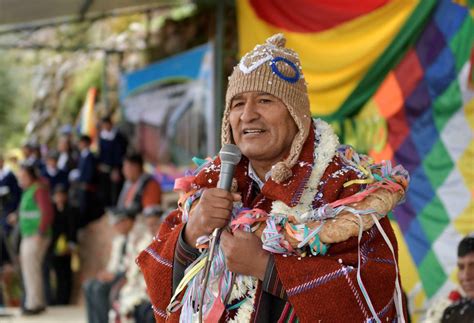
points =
(304, 236)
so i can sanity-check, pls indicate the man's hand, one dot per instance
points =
(244, 254)
(12, 218)
(212, 211)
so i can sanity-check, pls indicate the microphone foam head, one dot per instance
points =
(230, 154)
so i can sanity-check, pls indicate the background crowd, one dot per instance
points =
(50, 197)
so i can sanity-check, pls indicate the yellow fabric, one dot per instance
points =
(409, 275)
(334, 60)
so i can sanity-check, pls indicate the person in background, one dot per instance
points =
(63, 243)
(53, 174)
(90, 207)
(140, 190)
(462, 308)
(153, 215)
(97, 290)
(143, 312)
(55, 177)
(458, 305)
(112, 149)
(68, 156)
(32, 155)
(35, 220)
(139, 194)
(128, 297)
(10, 193)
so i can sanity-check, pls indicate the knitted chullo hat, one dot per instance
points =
(274, 69)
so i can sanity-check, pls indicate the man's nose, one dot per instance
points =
(250, 112)
(465, 275)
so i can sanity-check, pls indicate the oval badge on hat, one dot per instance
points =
(291, 79)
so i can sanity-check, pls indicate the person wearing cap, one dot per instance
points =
(291, 165)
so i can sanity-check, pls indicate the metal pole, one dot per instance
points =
(219, 68)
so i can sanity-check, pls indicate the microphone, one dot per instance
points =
(230, 156)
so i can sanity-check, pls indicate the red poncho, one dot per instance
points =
(321, 288)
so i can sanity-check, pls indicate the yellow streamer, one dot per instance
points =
(187, 278)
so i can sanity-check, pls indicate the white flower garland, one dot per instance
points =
(325, 147)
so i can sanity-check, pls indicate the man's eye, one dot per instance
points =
(265, 100)
(237, 104)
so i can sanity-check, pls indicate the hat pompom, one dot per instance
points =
(278, 40)
(281, 172)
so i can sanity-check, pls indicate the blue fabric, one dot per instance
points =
(404, 214)
(112, 152)
(12, 201)
(417, 241)
(449, 17)
(424, 133)
(61, 178)
(420, 192)
(441, 73)
(407, 155)
(430, 44)
(87, 167)
(417, 103)
(182, 66)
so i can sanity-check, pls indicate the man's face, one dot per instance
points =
(262, 127)
(24, 179)
(131, 171)
(60, 198)
(82, 144)
(52, 163)
(124, 226)
(107, 126)
(153, 224)
(466, 274)
(63, 144)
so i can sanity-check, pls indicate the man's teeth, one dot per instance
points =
(247, 131)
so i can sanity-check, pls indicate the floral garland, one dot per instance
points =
(325, 147)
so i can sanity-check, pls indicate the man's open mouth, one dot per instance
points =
(253, 131)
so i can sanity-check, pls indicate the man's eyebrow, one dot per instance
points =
(237, 97)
